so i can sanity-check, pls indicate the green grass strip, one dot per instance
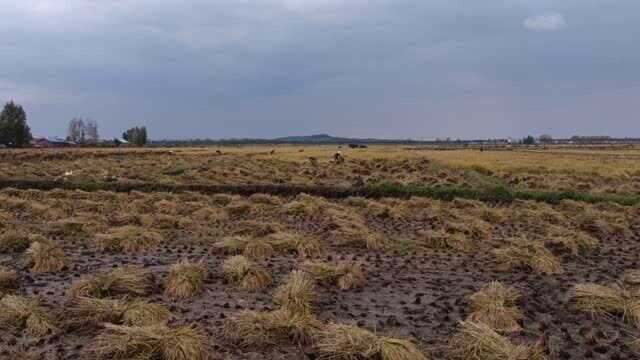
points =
(497, 194)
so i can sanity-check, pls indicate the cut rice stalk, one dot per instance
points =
(528, 255)
(341, 341)
(128, 239)
(117, 282)
(133, 313)
(186, 279)
(494, 305)
(347, 275)
(45, 257)
(297, 293)
(251, 328)
(599, 300)
(8, 280)
(151, 342)
(245, 273)
(18, 313)
(477, 341)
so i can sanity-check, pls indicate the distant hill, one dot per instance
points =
(328, 139)
(317, 139)
(300, 140)
(306, 138)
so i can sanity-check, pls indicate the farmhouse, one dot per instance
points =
(50, 142)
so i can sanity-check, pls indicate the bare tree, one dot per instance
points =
(91, 131)
(76, 132)
(83, 131)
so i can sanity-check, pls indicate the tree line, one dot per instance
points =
(15, 131)
(86, 132)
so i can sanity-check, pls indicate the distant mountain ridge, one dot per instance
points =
(307, 138)
(317, 139)
(328, 139)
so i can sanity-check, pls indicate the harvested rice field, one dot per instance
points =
(586, 170)
(397, 253)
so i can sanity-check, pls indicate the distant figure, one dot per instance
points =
(481, 149)
(218, 152)
(313, 160)
(301, 150)
(273, 151)
(338, 158)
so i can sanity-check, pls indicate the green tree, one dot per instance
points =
(14, 130)
(545, 138)
(529, 140)
(136, 135)
(142, 136)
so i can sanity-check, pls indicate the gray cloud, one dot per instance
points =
(388, 68)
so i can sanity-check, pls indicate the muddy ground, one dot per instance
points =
(409, 291)
(421, 295)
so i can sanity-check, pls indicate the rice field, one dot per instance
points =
(220, 253)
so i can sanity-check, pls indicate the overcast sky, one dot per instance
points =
(376, 68)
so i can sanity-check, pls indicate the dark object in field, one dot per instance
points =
(338, 158)
(174, 172)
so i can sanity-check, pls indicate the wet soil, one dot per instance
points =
(409, 292)
(421, 295)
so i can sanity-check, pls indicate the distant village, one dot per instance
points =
(15, 132)
(57, 142)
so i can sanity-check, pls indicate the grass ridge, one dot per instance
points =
(494, 194)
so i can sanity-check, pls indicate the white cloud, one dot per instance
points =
(545, 22)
